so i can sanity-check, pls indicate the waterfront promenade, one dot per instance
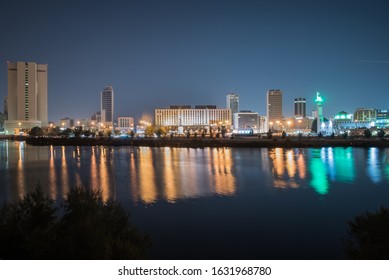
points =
(249, 142)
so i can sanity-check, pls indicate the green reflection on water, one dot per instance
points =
(344, 165)
(318, 171)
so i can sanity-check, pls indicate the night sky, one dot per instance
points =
(157, 53)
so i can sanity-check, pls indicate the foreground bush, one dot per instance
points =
(88, 228)
(368, 236)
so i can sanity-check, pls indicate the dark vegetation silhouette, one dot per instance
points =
(368, 236)
(84, 226)
(367, 133)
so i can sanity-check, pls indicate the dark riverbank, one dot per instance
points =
(202, 143)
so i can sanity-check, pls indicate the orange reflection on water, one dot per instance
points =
(179, 173)
(134, 182)
(286, 164)
(301, 166)
(170, 186)
(20, 170)
(64, 173)
(278, 161)
(94, 179)
(103, 172)
(52, 176)
(148, 192)
(290, 163)
(221, 171)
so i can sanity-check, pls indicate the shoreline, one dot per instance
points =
(248, 142)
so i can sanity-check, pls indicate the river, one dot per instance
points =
(216, 203)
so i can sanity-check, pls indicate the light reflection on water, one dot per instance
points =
(150, 174)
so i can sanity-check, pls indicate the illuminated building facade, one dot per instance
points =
(382, 120)
(246, 120)
(363, 115)
(262, 123)
(125, 124)
(66, 123)
(344, 122)
(27, 96)
(200, 117)
(274, 109)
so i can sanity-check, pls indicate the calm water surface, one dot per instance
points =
(216, 203)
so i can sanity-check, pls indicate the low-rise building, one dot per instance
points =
(246, 120)
(202, 117)
(125, 124)
(365, 115)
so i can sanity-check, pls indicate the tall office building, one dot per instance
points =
(27, 96)
(300, 107)
(232, 102)
(274, 109)
(107, 107)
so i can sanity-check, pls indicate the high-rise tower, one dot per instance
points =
(232, 102)
(300, 107)
(106, 106)
(274, 109)
(27, 96)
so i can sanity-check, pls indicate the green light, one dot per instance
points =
(318, 97)
(319, 173)
(344, 165)
(387, 171)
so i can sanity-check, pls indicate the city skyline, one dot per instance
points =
(155, 54)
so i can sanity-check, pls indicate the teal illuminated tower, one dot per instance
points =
(319, 101)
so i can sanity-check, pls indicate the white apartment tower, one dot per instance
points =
(106, 106)
(27, 96)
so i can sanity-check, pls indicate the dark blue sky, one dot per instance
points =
(157, 53)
